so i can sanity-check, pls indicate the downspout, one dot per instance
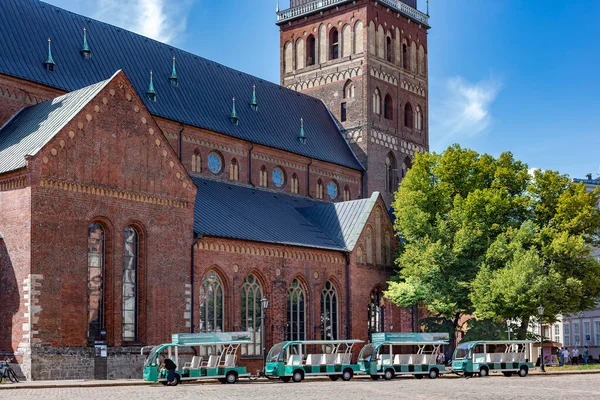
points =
(308, 178)
(250, 165)
(181, 141)
(348, 316)
(192, 272)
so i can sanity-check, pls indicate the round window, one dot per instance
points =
(332, 190)
(215, 163)
(278, 177)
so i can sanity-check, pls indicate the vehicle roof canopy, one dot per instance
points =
(476, 342)
(351, 341)
(410, 338)
(210, 339)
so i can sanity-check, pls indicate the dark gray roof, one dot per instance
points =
(202, 99)
(30, 129)
(234, 211)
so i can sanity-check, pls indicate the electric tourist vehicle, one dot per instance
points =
(397, 353)
(219, 363)
(296, 360)
(485, 356)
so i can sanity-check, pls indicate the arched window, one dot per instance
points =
(359, 255)
(408, 116)
(310, 50)
(252, 314)
(130, 284)
(332, 190)
(388, 107)
(346, 193)
(288, 57)
(421, 60)
(369, 245)
(329, 313)
(234, 170)
(196, 161)
(295, 186)
(278, 177)
(406, 164)
(319, 193)
(377, 102)
(349, 90)
(264, 177)
(346, 45)
(300, 56)
(358, 37)
(405, 57)
(391, 173)
(413, 57)
(378, 238)
(388, 49)
(211, 303)
(215, 162)
(375, 316)
(296, 312)
(96, 248)
(419, 119)
(334, 44)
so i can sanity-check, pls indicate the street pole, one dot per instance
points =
(541, 314)
(264, 302)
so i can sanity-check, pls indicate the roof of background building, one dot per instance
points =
(233, 211)
(203, 97)
(30, 129)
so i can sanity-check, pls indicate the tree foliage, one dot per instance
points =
(482, 237)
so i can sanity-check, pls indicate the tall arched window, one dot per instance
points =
(388, 49)
(296, 312)
(264, 177)
(378, 238)
(388, 107)
(288, 57)
(196, 161)
(419, 119)
(295, 185)
(369, 245)
(349, 90)
(310, 50)
(300, 56)
(96, 248)
(391, 173)
(130, 284)
(359, 255)
(329, 313)
(375, 316)
(234, 170)
(358, 37)
(334, 44)
(319, 193)
(406, 164)
(376, 101)
(346, 193)
(405, 57)
(408, 116)
(252, 314)
(211, 303)
(421, 60)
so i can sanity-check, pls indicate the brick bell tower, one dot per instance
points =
(367, 61)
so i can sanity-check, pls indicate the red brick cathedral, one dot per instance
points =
(146, 191)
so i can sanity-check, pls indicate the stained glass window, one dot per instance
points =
(215, 163)
(252, 314)
(332, 190)
(375, 316)
(296, 312)
(130, 281)
(329, 313)
(278, 177)
(211, 303)
(95, 282)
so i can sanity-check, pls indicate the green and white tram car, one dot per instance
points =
(220, 362)
(297, 360)
(485, 356)
(398, 353)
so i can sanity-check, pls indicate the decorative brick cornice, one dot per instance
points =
(338, 177)
(384, 77)
(206, 143)
(411, 87)
(16, 182)
(18, 95)
(324, 80)
(278, 161)
(109, 192)
(395, 143)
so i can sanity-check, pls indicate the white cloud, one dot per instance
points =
(462, 110)
(531, 171)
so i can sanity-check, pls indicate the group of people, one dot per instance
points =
(566, 357)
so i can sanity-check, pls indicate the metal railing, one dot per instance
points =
(309, 8)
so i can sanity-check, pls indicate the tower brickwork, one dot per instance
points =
(367, 61)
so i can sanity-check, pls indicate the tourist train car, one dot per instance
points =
(219, 363)
(296, 360)
(485, 356)
(393, 353)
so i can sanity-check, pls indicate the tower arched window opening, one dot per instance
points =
(310, 50)
(388, 49)
(388, 107)
(334, 44)
(408, 116)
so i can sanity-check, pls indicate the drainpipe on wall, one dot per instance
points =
(181, 141)
(348, 314)
(308, 178)
(250, 165)
(192, 272)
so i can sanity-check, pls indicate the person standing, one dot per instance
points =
(170, 366)
(586, 355)
(559, 354)
(575, 356)
(566, 356)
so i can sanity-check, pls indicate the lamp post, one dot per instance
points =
(541, 314)
(264, 304)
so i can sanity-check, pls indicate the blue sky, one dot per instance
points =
(508, 75)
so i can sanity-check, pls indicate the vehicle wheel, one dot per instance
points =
(334, 377)
(433, 373)
(285, 379)
(298, 376)
(508, 374)
(523, 371)
(483, 372)
(375, 377)
(419, 376)
(347, 374)
(388, 374)
(231, 377)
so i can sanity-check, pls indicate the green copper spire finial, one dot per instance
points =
(302, 137)
(234, 117)
(50, 61)
(254, 102)
(87, 53)
(151, 93)
(173, 79)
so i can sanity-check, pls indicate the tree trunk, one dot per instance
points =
(522, 331)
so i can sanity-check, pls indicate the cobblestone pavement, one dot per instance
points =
(532, 387)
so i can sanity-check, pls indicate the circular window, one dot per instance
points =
(215, 163)
(278, 177)
(332, 190)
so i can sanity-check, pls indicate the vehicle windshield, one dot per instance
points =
(151, 359)
(276, 353)
(462, 351)
(367, 353)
